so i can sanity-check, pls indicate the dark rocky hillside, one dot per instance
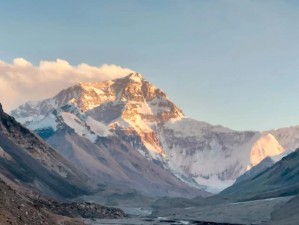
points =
(282, 179)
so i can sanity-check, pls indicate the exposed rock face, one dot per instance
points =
(135, 111)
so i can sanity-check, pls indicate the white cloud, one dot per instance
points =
(21, 81)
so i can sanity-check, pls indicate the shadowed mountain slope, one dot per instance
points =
(282, 179)
(28, 160)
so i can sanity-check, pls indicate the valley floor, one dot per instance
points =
(145, 221)
(253, 212)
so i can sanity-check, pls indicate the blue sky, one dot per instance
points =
(234, 63)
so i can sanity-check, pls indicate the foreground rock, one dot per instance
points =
(16, 208)
(20, 206)
(82, 209)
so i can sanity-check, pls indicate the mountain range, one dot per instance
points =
(127, 134)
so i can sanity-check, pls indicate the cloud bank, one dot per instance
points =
(21, 81)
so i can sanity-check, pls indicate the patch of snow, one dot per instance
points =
(46, 122)
(144, 109)
(186, 127)
(24, 120)
(135, 77)
(91, 87)
(97, 127)
(80, 128)
(139, 124)
(119, 122)
(214, 184)
(52, 103)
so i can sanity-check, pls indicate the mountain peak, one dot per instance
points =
(132, 90)
(135, 76)
(131, 78)
(266, 145)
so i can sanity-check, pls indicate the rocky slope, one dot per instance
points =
(144, 127)
(29, 161)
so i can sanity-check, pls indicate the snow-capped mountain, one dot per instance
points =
(85, 120)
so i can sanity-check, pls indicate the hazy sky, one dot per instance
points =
(234, 63)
